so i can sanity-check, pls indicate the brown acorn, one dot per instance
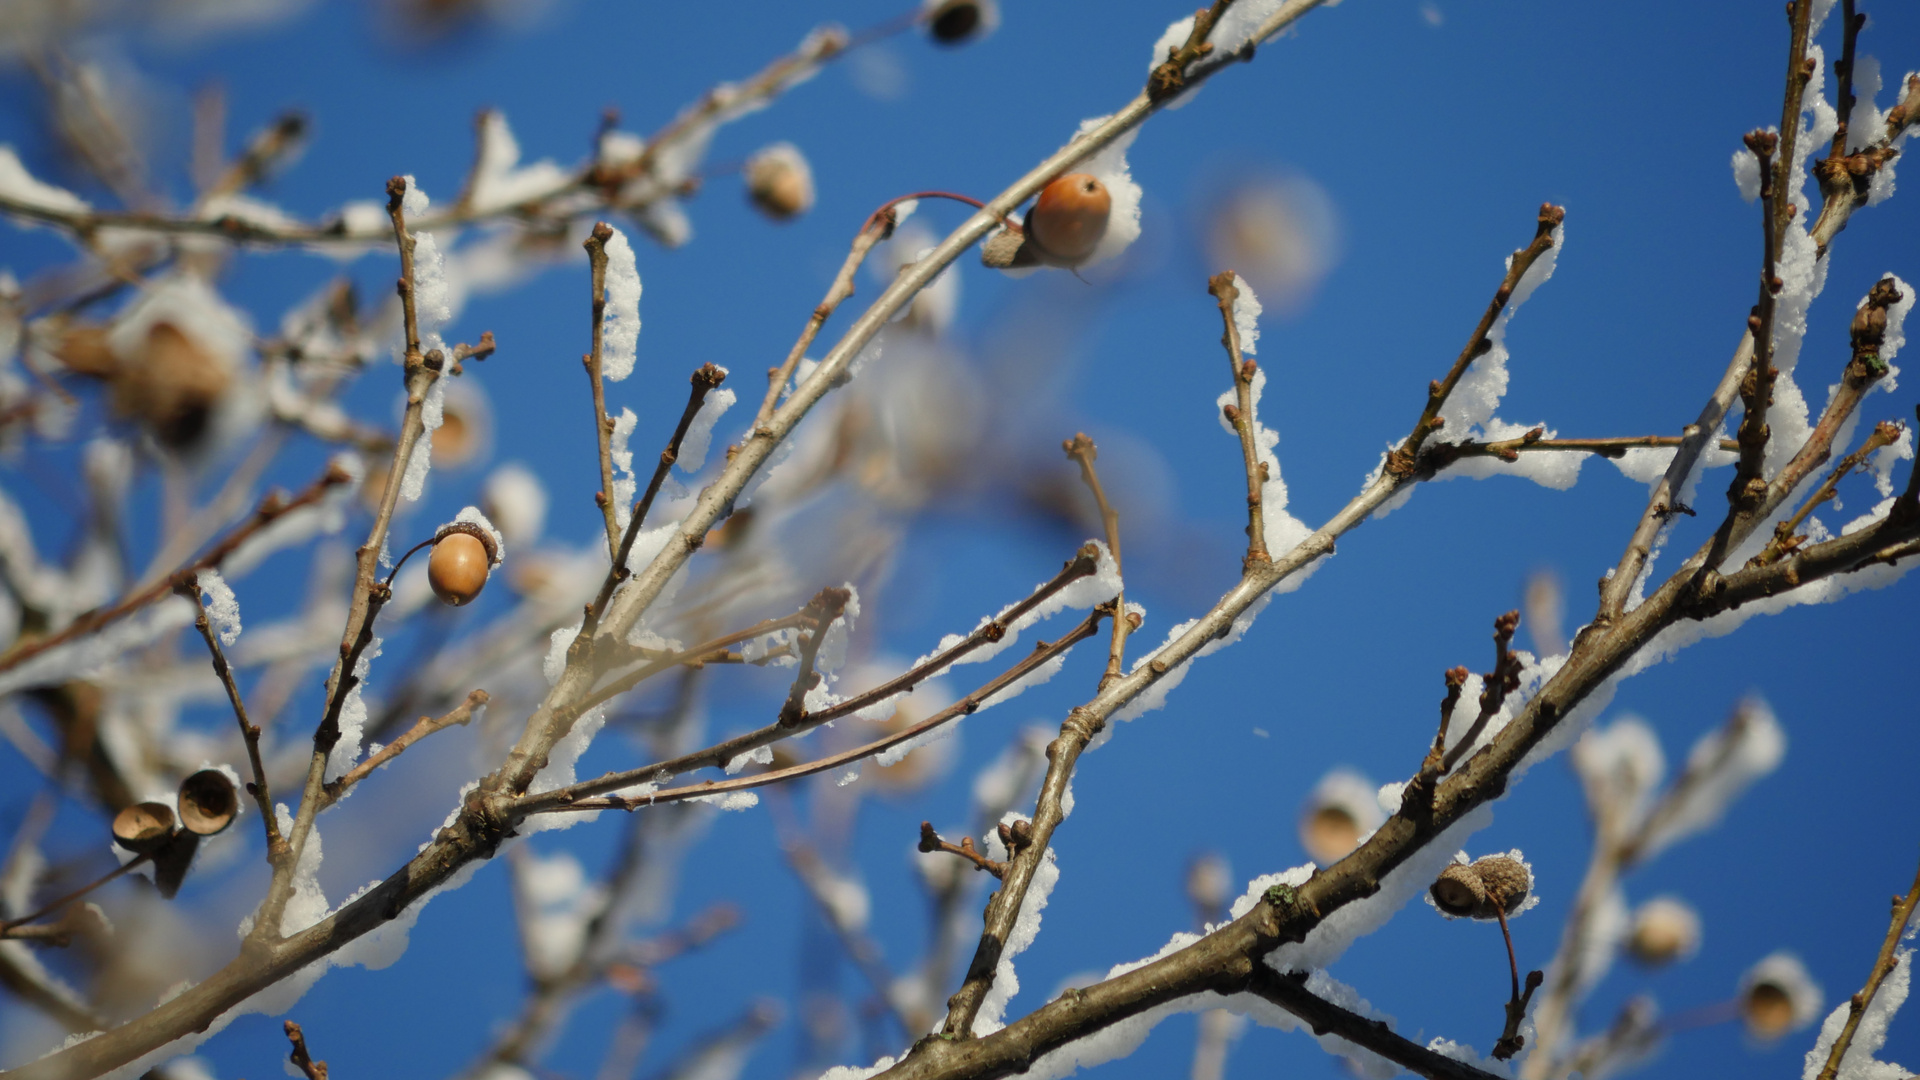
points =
(208, 802)
(1664, 930)
(172, 388)
(143, 827)
(463, 556)
(1069, 219)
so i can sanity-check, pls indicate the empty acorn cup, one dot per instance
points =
(143, 827)
(208, 802)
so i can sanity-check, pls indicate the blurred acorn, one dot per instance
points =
(1777, 996)
(780, 182)
(1209, 885)
(143, 827)
(1665, 929)
(1069, 219)
(1279, 233)
(1484, 889)
(956, 22)
(466, 426)
(209, 801)
(1546, 613)
(1342, 809)
(464, 555)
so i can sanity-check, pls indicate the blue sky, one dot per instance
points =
(1435, 132)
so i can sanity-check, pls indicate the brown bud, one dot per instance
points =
(1069, 218)
(143, 827)
(208, 802)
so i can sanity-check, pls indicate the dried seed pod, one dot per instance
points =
(172, 388)
(1069, 218)
(464, 554)
(209, 802)
(780, 182)
(466, 426)
(955, 22)
(1459, 892)
(1664, 930)
(143, 827)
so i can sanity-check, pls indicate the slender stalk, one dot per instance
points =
(1883, 966)
(1223, 287)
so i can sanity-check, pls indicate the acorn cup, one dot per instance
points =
(209, 802)
(779, 182)
(464, 555)
(143, 827)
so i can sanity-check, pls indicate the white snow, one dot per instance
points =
(18, 184)
(498, 181)
(1858, 1063)
(693, 447)
(515, 497)
(621, 321)
(223, 609)
(1026, 927)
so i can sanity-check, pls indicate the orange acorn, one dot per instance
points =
(1069, 218)
(463, 556)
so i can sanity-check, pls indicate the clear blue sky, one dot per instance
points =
(1436, 131)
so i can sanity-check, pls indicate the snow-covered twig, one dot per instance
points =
(249, 732)
(1883, 965)
(1224, 288)
(1084, 453)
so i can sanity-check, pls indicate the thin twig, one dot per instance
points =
(1404, 458)
(419, 373)
(1223, 287)
(112, 875)
(872, 232)
(720, 754)
(1083, 452)
(1511, 1041)
(822, 612)
(249, 732)
(596, 245)
(1883, 966)
(1885, 433)
(301, 1059)
(422, 728)
(1043, 653)
(931, 842)
(704, 380)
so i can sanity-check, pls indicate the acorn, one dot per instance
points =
(955, 22)
(1484, 889)
(1664, 930)
(143, 827)
(1777, 995)
(464, 554)
(173, 387)
(1069, 219)
(209, 802)
(1342, 809)
(1209, 885)
(780, 182)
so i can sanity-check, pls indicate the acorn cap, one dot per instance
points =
(1507, 881)
(485, 536)
(1459, 892)
(1007, 249)
(143, 827)
(209, 802)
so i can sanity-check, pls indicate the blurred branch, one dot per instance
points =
(425, 726)
(271, 509)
